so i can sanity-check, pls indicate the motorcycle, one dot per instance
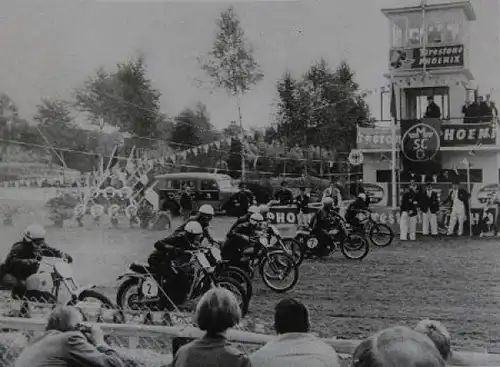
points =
(273, 264)
(379, 234)
(143, 290)
(344, 236)
(289, 245)
(55, 275)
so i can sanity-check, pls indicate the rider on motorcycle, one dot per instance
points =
(24, 258)
(322, 222)
(204, 216)
(172, 251)
(354, 210)
(246, 218)
(240, 237)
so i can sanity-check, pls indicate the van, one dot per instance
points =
(207, 188)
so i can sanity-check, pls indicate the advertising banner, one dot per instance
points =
(420, 144)
(455, 135)
(433, 57)
(376, 138)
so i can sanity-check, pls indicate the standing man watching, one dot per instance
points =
(428, 202)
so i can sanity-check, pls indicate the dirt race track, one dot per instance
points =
(454, 281)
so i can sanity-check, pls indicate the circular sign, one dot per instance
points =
(149, 288)
(355, 157)
(420, 143)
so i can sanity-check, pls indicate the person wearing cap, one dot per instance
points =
(354, 209)
(186, 203)
(284, 195)
(243, 200)
(408, 221)
(302, 202)
(428, 202)
(433, 110)
(294, 345)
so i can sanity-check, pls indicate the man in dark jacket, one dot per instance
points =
(485, 111)
(302, 202)
(170, 254)
(186, 203)
(204, 216)
(284, 195)
(355, 209)
(321, 223)
(240, 238)
(244, 219)
(243, 200)
(408, 221)
(428, 202)
(433, 110)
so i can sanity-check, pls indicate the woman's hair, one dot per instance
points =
(64, 319)
(438, 334)
(398, 346)
(217, 311)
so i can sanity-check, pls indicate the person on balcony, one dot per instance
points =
(433, 110)
(492, 106)
(485, 112)
(467, 112)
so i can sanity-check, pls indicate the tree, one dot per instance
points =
(193, 128)
(230, 64)
(233, 130)
(124, 99)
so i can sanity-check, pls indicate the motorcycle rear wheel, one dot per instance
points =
(384, 230)
(354, 242)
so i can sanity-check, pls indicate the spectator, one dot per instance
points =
(466, 112)
(284, 195)
(408, 221)
(433, 110)
(474, 112)
(65, 344)
(459, 199)
(294, 345)
(302, 201)
(397, 346)
(438, 334)
(333, 192)
(428, 202)
(186, 203)
(492, 106)
(243, 200)
(485, 111)
(216, 312)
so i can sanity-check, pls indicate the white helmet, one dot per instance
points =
(264, 209)
(207, 210)
(328, 201)
(34, 232)
(254, 209)
(362, 196)
(193, 228)
(257, 217)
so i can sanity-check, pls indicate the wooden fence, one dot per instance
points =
(134, 332)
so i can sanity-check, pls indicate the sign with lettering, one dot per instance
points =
(376, 138)
(454, 135)
(433, 57)
(286, 215)
(420, 141)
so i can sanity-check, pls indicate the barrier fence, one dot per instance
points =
(147, 345)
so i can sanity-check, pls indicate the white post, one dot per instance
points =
(393, 152)
(469, 192)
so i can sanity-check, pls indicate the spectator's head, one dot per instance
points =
(217, 311)
(302, 189)
(284, 184)
(481, 99)
(430, 99)
(64, 319)
(291, 316)
(242, 186)
(187, 188)
(488, 97)
(413, 186)
(398, 346)
(438, 334)
(429, 185)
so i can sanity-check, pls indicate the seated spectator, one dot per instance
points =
(438, 334)
(66, 344)
(294, 345)
(397, 346)
(216, 312)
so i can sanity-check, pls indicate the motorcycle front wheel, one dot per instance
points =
(354, 246)
(381, 235)
(280, 266)
(239, 292)
(240, 276)
(86, 302)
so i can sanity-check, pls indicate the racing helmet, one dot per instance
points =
(193, 228)
(207, 209)
(254, 209)
(34, 233)
(327, 202)
(256, 218)
(264, 209)
(362, 196)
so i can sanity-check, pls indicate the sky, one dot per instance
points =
(49, 47)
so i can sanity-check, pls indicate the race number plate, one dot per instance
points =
(202, 259)
(312, 243)
(216, 253)
(150, 288)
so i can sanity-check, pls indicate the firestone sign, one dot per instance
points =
(432, 57)
(376, 138)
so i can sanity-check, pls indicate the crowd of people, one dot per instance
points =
(479, 110)
(69, 341)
